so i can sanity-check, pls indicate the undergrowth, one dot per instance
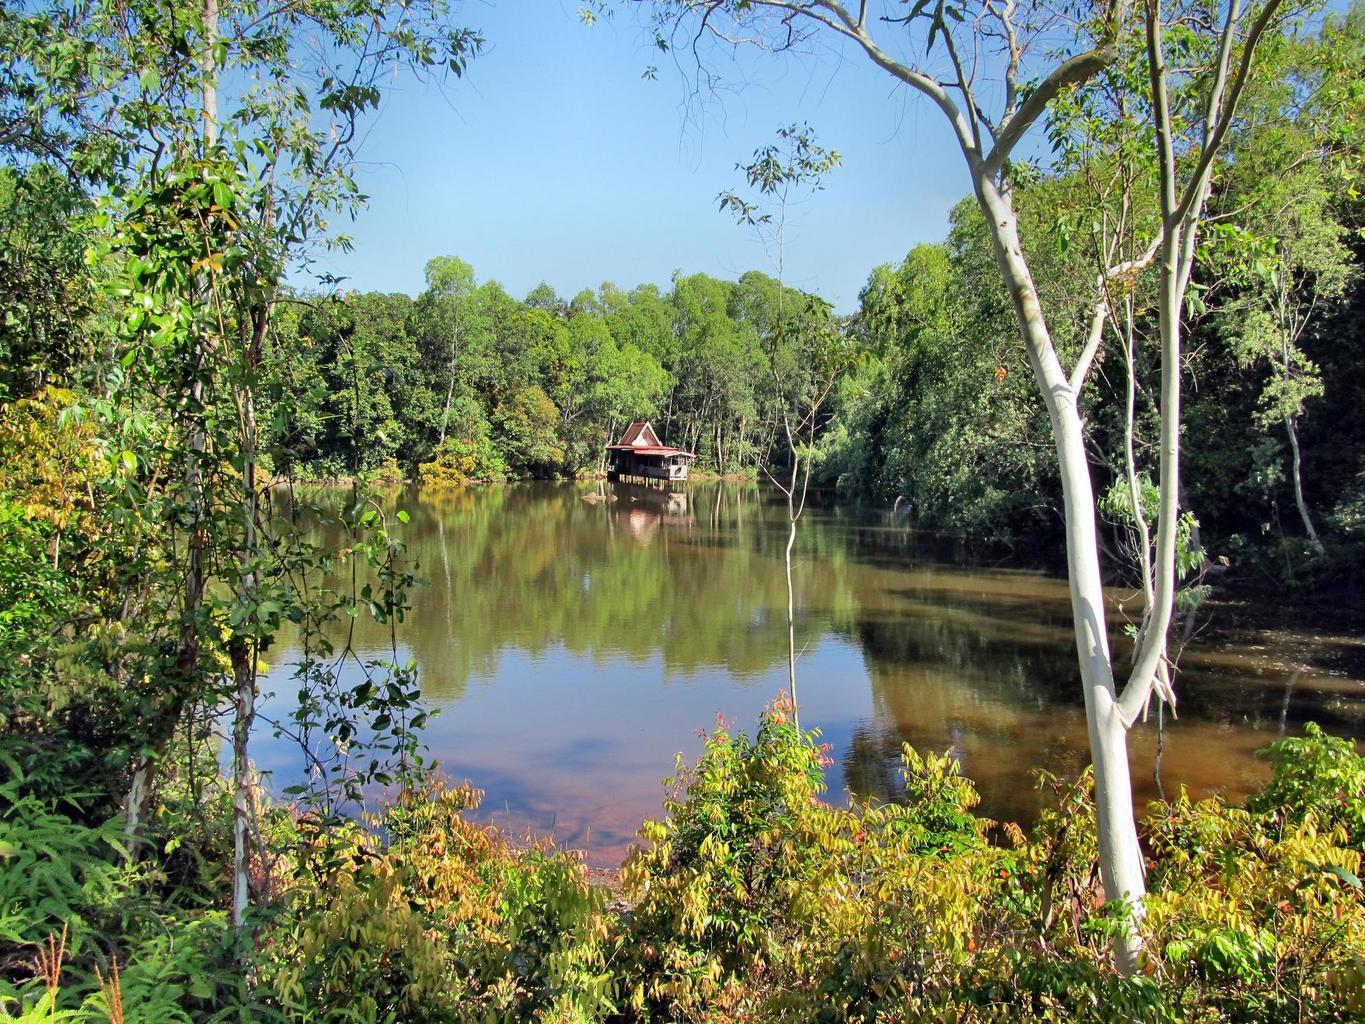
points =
(752, 899)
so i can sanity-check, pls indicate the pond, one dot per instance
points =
(576, 637)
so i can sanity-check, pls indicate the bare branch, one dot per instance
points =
(1098, 317)
(1006, 18)
(837, 18)
(1101, 310)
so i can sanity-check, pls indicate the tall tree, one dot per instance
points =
(1024, 48)
(451, 325)
(805, 354)
(208, 195)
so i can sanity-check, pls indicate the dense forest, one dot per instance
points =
(533, 387)
(936, 413)
(1190, 221)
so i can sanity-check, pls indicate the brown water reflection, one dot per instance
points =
(576, 637)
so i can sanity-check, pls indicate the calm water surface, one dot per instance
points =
(576, 637)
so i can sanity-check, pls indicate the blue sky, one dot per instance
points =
(555, 160)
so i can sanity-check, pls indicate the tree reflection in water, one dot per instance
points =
(577, 636)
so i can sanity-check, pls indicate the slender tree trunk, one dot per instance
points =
(450, 387)
(244, 680)
(1120, 854)
(187, 659)
(611, 433)
(791, 594)
(210, 61)
(445, 411)
(1144, 539)
(243, 650)
(1296, 473)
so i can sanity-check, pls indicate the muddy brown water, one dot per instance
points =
(576, 638)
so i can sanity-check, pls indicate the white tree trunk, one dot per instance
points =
(1120, 855)
(792, 516)
(244, 667)
(1296, 472)
(244, 714)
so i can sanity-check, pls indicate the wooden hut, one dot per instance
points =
(641, 455)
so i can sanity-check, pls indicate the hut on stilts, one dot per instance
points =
(641, 456)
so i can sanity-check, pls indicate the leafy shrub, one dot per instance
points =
(420, 915)
(755, 896)
(56, 873)
(1257, 917)
(714, 887)
(388, 473)
(757, 901)
(32, 598)
(59, 877)
(1318, 775)
(31, 590)
(458, 461)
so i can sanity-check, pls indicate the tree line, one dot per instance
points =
(467, 383)
(942, 417)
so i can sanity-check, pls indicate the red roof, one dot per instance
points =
(648, 449)
(641, 439)
(638, 431)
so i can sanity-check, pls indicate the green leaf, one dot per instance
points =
(1350, 878)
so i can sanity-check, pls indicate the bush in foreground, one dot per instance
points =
(758, 901)
(752, 900)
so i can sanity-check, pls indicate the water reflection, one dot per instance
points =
(576, 637)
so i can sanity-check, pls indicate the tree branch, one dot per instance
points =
(1214, 141)
(1101, 309)
(838, 18)
(1072, 71)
